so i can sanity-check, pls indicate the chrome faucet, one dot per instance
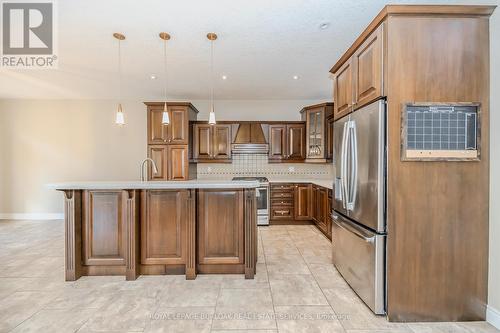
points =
(155, 169)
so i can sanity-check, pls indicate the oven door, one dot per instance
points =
(262, 201)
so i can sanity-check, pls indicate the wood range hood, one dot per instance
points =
(250, 138)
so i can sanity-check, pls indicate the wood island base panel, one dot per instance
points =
(160, 231)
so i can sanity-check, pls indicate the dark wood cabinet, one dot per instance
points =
(359, 80)
(316, 117)
(212, 143)
(220, 229)
(320, 198)
(368, 60)
(159, 154)
(299, 203)
(342, 90)
(177, 162)
(303, 201)
(329, 137)
(177, 132)
(163, 230)
(171, 161)
(222, 142)
(103, 228)
(287, 142)
(295, 140)
(169, 145)
(277, 142)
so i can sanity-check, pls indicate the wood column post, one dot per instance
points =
(250, 233)
(132, 221)
(191, 235)
(72, 234)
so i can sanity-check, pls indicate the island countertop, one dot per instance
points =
(152, 185)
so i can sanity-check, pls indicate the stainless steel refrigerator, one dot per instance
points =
(359, 225)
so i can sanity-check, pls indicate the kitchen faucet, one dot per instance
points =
(155, 169)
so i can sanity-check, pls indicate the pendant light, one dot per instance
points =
(211, 116)
(120, 118)
(165, 119)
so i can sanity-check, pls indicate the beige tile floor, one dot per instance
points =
(296, 290)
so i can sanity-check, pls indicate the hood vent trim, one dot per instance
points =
(250, 138)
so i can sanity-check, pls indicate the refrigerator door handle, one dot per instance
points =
(353, 179)
(352, 230)
(343, 165)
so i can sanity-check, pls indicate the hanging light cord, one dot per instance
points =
(119, 71)
(212, 75)
(165, 68)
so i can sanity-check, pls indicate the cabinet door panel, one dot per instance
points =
(222, 141)
(202, 142)
(103, 228)
(329, 138)
(179, 125)
(368, 68)
(178, 162)
(303, 202)
(296, 141)
(163, 232)
(277, 142)
(220, 227)
(342, 86)
(158, 153)
(158, 132)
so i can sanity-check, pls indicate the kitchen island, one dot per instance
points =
(167, 227)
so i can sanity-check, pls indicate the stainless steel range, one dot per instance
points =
(262, 193)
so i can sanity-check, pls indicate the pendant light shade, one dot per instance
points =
(120, 118)
(211, 116)
(165, 118)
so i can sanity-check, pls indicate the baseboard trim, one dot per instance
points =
(32, 216)
(493, 316)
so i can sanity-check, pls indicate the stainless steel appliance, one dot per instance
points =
(359, 228)
(262, 194)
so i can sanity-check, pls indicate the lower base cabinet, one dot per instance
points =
(160, 231)
(301, 203)
(163, 231)
(220, 231)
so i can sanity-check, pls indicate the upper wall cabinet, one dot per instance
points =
(316, 131)
(342, 90)
(368, 61)
(177, 132)
(287, 142)
(359, 80)
(212, 143)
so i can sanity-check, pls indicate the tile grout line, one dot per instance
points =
(268, 280)
(315, 280)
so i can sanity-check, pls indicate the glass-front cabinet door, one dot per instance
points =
(316, 131)
(315, 134)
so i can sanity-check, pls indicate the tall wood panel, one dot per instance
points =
(163, 227)
(103, 228)
(220, 227)
(438, 211)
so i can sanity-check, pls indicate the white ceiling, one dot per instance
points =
(262, 44)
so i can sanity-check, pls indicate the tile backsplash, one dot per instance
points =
(258, 165)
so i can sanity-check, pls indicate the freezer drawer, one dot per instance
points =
(359, 255)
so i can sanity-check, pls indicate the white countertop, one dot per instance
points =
(138, 185)
(327, 183)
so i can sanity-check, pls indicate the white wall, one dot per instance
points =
(494, 266)
(44, 141)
